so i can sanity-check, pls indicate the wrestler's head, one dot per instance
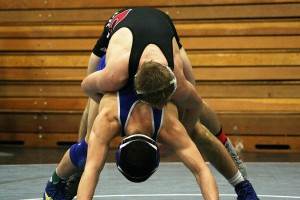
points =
(137, 157)
(154, 84)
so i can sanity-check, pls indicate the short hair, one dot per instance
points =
(137, 157)
(155, 83)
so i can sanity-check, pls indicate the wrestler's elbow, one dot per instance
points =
(86, 86)
(116, 83)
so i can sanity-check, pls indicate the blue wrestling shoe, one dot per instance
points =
(245, 191)
(55, 191)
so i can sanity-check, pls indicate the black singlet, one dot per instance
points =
(148, 26)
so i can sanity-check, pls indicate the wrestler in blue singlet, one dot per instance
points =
(127, 99)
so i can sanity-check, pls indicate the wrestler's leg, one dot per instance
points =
(209, 119)
(214, 151)
(87, 121)
(66, 168)
(92, 114)
(83, 123)
(221, 160)
(70, 168)
(57, 186)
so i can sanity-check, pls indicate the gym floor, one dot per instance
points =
(25, 171)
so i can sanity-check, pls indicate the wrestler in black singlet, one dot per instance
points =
(148, 26)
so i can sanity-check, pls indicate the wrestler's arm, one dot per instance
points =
(187, 71)
(187, 67)
(186, 96)
(112, 78)
(98, 83)
(188, 100)
(94, 61)
(178, 139)
(190, 156)
(103, 131)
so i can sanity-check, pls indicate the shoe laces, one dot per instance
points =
(232, 151)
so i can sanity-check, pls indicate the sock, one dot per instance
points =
(238, 178)
(221, 136)
(55, 178)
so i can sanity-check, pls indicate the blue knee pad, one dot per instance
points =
(78, 154)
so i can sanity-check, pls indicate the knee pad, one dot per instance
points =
(78, 154)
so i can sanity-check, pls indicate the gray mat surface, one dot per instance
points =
(171, 181)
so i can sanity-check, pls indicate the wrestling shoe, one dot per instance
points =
(245, 191)
(72, 184)
(234, 155)
(55, 191)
